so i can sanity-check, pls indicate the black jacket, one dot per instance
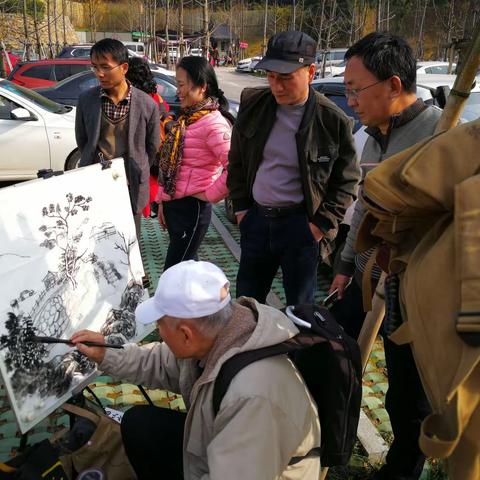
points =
(326, 152)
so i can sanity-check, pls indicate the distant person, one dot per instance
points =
(116, 119)
(193, 159)
(292, 172)
(216, 56)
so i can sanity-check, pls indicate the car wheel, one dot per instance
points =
(73, 160)
(230, 214)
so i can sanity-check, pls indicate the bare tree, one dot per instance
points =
(265, 21)
(36, 30)
(167, 24)
(420, 50)
(180, 28)
(25, 30)
(49, 29)
(206, 30)
(63, 23)
(55, 26)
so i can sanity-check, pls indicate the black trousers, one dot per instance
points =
(405, 401)
(153, 440)
(187, 223)
(269, 243)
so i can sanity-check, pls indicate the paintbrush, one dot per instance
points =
(69, 342)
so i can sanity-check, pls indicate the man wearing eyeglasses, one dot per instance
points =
(380, 81)
(117, 120)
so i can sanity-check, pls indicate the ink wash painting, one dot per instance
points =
(69, 260)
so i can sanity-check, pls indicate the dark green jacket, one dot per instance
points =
(326, 153)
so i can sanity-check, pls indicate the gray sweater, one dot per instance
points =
(408, 128)
(278, 182)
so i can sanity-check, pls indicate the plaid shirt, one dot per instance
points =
(112, 111)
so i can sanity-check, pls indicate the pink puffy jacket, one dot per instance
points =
(204, 161)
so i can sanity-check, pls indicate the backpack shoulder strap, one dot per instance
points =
(236, 363)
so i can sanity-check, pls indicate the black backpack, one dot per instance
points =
(330, 364)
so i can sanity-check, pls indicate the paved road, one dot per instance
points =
(232, 82)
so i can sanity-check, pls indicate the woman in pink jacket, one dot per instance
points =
(193, 160)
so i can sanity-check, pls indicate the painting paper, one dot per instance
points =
(69, 260)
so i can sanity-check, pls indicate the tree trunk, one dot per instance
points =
(206, 29)
(35, 27)
(180, 28)
(167, 38)
(388, 16)
(55, 25)
(25, 30)
(379, 14)
(264, 46)
(420, 32)
(352, 23)
(3, 61)
(49, 30)
(63, 23)
(302, 10)
(275, 17)
(294, 13)
(320, 28)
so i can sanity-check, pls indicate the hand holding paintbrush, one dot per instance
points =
(70, 342)
(91, 344)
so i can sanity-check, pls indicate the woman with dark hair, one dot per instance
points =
(141, 77)
(193, 159)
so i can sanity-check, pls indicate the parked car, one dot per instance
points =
(434, 68)
(76, 51)
(45, 73)
(36, 133)
(196, 52)
(137, 47)
(248, 64)
(68, 91)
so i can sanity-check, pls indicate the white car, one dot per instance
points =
(433, 68)
(35, 134)
(248, 64)
(196, 52)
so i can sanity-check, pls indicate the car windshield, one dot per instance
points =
(34, 97)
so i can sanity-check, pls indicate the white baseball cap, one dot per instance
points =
(186, 290)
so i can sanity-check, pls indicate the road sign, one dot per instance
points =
(243, 45)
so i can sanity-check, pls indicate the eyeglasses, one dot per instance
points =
(354, 93)
(95, 68)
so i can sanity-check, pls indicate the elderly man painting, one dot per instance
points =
(267, 415)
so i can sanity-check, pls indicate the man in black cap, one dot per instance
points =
(292, 172)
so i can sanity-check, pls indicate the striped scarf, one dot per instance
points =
(172, 148)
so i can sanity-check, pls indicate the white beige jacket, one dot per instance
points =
(266, 417)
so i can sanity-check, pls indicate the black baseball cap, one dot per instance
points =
(288, 51)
